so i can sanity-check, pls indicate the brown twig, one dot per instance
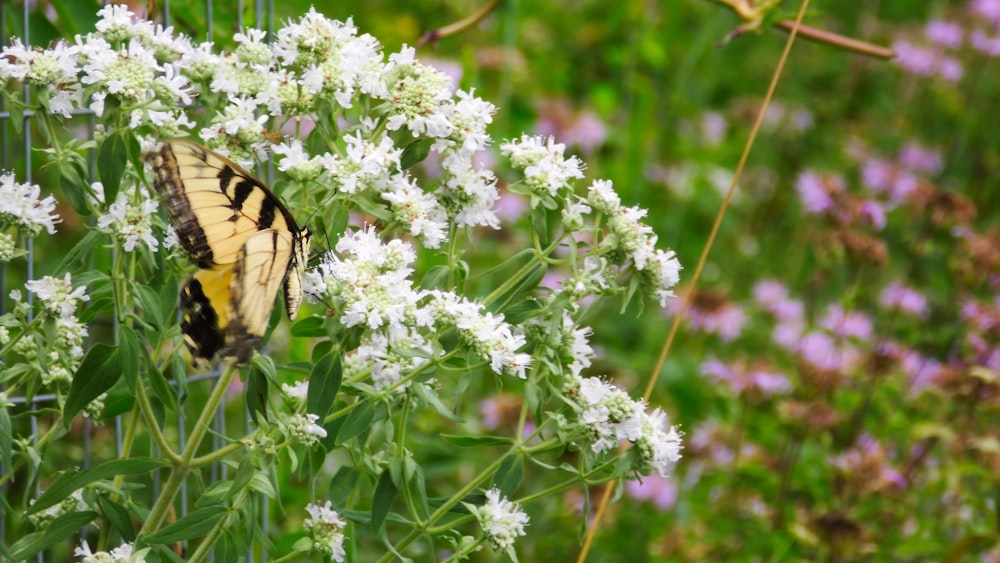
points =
(435, 35)
(830, 38)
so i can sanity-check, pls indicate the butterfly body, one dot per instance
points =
(244, 240)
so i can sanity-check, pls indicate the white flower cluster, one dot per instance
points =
(545, 166)
(502, 520)
(610, 416)
(630, 237)
(65, 350)
(367, 282)
(130, 218)
(487, 334)
(22, 206)
(302, 429)
(124, 553)
(325, 527)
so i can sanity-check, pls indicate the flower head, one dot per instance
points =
(325, 527)
(502, 520)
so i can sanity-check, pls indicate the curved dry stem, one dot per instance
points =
(460, 26)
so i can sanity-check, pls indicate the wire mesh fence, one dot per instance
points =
(35, 414)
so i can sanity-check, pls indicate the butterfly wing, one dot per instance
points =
(244, 240)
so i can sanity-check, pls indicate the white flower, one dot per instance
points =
(502, 521)
(297, 162)
(487, 334)
(124, 553)
(469, 193)
(546, 169)
(131, 223)
(469, 117)
(375, 355)
(21, 205)
(297, 392)
(325, 527)
(417, 210)
(127, 73)
(609, 413)
(364, 165)
(420, 96)
(659, 444)
(303, 429)
(57, 295)
(603, 197)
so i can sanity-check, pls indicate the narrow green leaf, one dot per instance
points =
(226, 550)
(163, 390)
(149, 300)
(342, 484)
(358, 420)
(324, 382)
(59, 530)
(99, 371)
(309, 327)
(71, 481)
(510, 473)
(385, 493)
(119, 517)
(244, 474)
(111, 161)
(431, 398)
(6, 438)
(128, 355)
(468, 441)
(194, 525)
(71, 183)
(256, 394)
(80, 252)
(415, 152)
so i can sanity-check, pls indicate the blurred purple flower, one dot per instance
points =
(916, 59)
(987, 9)
(874, 212)
(821, 351)
(742, 379)
(983, 43)
(772, 295)
(787, 334)
(712, 314)
(904, 299)
(662, 492)
(950, 69)
(920, 158)
(587, 131)
(920, 369)
(815, 190)
(511, 207)
(713, 128)
(944, 33)
(846, 324)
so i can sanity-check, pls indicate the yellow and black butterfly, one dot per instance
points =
(244, 240)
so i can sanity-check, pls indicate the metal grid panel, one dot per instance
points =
(15, 154)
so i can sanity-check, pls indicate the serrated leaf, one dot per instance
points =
(324, 383)
(112, 157)
(469, 441)
(99, 371)
(415, 152)
(72, 481)
(385, 493)
(194, 525)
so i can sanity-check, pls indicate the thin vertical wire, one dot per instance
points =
(686, 298)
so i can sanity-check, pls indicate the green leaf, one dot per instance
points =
(58, 531)
(71, 183)
(244, 474)
(431, 398)
(324, 382)
(468, 441)
(128, 355)
(342, 484)
(81, 252)
(509, 474)
(435, 278)
(6, 438)
(72, 481)
(358, 420)
(99, 371)
(194, 525)
(149, 300)
(119, 517)
(385, 493)
(162, 388)
(112, 157)
(257, 391)
(226, 550)
(309, 327)
(415, 153)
